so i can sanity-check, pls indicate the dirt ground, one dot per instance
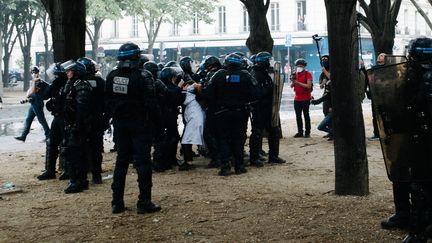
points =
(293, 202)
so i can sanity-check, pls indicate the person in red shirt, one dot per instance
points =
(301, 81)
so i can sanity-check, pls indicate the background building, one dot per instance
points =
(297, 19)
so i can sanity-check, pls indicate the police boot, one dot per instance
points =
(73, 187)
(144, 204)
(225, 169)
(117, 203)
(400, 220)
(50, 162)
(254, 144)
(274, 147)
(239, 168)
(63, 167)
(414, 238)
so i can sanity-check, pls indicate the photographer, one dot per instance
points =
(35, 96)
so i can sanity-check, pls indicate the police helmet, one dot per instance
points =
(300, 61)
(233, 60)
(253, 59)
(167, 74)
(77, 67)
(212, 61)
(185, 64)
(262, 59)
(34, 70)
(172, 64)
(161, 65)
(128, 51)
(144, 58)
(152, 67)
(239, 53)
(58, 69)
(420, 49)
(89, 64)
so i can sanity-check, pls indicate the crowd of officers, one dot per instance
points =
(142, 101)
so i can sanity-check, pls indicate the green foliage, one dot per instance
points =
(6, 8)
(100, 10)
(180, 11)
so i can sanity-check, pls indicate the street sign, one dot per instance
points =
(288, 40)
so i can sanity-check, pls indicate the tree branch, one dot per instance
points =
(426, 18)
(157, 28)
(364, 22)
(394, 11)
(266, 7)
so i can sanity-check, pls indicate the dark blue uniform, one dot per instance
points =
(262, 117)
(54, 105)
(229, 91)
(76, 111)
(130, 95)
(98, 125)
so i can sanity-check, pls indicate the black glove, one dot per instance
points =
(314, 102)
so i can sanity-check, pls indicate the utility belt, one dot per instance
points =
(246, 107)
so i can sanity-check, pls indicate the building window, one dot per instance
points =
(274, 16)
(115, 33)
(406, 28)
(246, 26)
(134, 32)
(195, 22)
(175, 28)
(428, 30)
(301, 15)
(221, 19)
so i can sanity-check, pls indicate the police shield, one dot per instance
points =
(388, 86)
(277, 93)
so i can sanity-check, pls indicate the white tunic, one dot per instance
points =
(194, 119)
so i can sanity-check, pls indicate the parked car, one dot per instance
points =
(15, 76)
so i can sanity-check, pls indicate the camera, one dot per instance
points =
(23, 101)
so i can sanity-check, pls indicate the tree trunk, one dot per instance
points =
(1, 76)
(383, 44)
(349, 137)
(27, 63)
(259, 36)
(6, 59)
(96, 38)
(47, 58)
(68, 25)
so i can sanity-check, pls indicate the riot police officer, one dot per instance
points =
(98, 121)
(211, 65)
(419, 113)
(76, 111)
(262, 113)
(187, 65)
(130, 94)
(165, 154)
(54, 105)
(230, 91)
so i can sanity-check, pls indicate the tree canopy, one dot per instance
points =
(154, 13)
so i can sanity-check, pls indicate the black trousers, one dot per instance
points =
(302, 107)
(231, 132)
(53, 143)
(95, 148)
(73, 150)
(261, 120)
(166, 141)
(134, 140)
